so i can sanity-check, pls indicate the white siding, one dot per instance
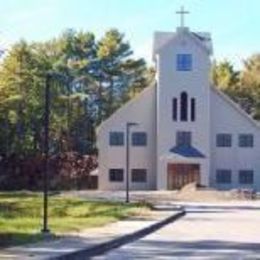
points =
(226, 118)
(142, 111)
(170, 84)
(152, 110)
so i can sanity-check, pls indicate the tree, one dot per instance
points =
(94, 78)
(250, 83)
(21, 100)
(223, 75)
(250, 75)
(241, 86)
(118, 71)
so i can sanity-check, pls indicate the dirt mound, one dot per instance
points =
(193, 192)
(191, 187)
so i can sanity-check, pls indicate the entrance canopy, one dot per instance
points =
(187, 151)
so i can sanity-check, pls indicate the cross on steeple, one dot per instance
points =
(182, 12)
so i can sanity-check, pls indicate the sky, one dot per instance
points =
(233, 24)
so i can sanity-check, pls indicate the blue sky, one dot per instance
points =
(234, 24)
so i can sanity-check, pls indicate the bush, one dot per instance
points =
(66, 171)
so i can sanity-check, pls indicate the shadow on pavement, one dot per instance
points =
(146, 249)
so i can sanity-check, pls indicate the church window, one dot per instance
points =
(184, 106)
(224, 140)
(246, 177)
(139, 139)
(184, 62)
(193, 109)
(223, 176)
(183, 138)
(174, 109)
(139, 175)
(116, 175)
(246, 140)
(116, 138)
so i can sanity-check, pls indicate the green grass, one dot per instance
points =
(21, 215)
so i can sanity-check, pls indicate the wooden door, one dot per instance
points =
(180, 175)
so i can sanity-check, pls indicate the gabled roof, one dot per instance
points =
(161, 39)
(128, 103)
(187, 151)
(205, 38)
(235, 106)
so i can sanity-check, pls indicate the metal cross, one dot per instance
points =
(182, 12)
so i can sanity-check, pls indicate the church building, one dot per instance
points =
(180, 130)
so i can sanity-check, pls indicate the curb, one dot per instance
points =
(120, 241)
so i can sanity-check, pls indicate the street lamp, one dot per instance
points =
(128, 126)
(45, 229)
(49, 76)
(65, 80)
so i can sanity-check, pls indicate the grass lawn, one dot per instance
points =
(21, 215)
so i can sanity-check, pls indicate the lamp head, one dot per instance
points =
(131, 124)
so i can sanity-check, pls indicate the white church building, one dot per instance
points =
(183, 129)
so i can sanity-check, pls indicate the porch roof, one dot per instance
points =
(187, 151)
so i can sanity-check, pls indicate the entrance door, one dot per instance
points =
(181, 174)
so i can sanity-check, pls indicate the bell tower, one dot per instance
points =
(183, 100)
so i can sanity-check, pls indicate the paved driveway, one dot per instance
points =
(206, 232)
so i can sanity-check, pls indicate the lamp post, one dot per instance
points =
(67, 81)
(49, 76)
(45, 229)
(128, 126)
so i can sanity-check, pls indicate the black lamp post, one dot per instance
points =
(128, 126)
(45, 229)
(65, 80)
(49, 77)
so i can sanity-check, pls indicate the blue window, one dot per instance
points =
(139, 139)
(224, 140)
(246, 140)
(116, 175)
(184, 62)
(246, 177)
(139, 175)
(223, 176)
(116, 138)
(183, 138)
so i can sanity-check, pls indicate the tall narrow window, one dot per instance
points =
(174, 109)
(193, 109)
(184, 106)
